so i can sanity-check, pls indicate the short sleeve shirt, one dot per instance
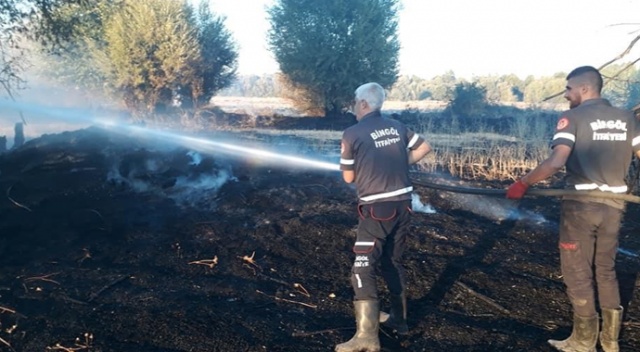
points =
(376, 148)
(602, 139)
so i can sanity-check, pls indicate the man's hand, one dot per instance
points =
(517, 190)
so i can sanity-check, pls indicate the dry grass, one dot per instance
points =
(469, 155)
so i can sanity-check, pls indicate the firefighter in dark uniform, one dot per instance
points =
(595, 142)
(376, 154)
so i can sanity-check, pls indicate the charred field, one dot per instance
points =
(109, 244)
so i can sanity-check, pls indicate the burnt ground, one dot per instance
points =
(96, 245)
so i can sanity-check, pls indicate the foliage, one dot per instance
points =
(622, 85)
(328, 48)
(217, 67)
(469, 99)
(20, 19)
(151, 53)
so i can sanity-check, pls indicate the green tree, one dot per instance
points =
(81, 59)
(442, 86)
(217, 66)
(621, 85)
(469, 99)
(147, 52)
(27, 19)
(152, 50)
(538, 89)
(328, 48)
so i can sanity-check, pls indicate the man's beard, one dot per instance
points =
(573, 104)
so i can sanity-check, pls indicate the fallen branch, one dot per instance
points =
(288, 300)
(43, 278)
(14, 202)
(301, 289)
(109, 285)
(483, 298)
(72, 300)
(6, 344)
(8, 310)
(79, 346)
(208, 262)
(250, 260)
(295, 285)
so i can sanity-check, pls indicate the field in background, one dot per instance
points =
(281, 106)
(472, 148)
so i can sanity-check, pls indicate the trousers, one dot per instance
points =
(588, 247)
(380, 244)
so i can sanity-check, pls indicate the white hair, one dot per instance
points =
(372, 93)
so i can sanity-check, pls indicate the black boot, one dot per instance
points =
(611, 322)
(397, 317)
(366, 337)
(583, 338)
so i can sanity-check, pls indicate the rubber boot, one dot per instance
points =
(611, 323)
(583, 338)
(397, 317)
(367, 325)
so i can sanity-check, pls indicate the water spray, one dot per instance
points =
(210, 146)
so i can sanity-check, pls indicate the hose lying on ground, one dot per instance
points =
(530, 192)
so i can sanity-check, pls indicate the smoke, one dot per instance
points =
(417, 205)
(494, 208)
(187, 178)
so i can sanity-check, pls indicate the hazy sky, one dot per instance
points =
(474, 37)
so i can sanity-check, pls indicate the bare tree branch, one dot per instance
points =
(620, 56)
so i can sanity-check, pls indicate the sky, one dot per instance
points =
(473, 37)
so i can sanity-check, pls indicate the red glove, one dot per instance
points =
(517, 190)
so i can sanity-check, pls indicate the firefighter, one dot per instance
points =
(595, 142)
(376, 154)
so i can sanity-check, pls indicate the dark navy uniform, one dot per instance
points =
(602, 139)
(376, 148)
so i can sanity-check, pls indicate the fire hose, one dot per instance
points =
(530, 192)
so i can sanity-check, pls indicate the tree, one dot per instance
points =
(469, 99)
(621, 84)
(218, 65)
(150, 53)
(21, 19)
(152, 50)
(441, 87)
(328, 48)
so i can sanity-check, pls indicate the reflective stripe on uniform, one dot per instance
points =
(387, 194)
(635, 141)
(565, 135)
(413, 141)
(365, 243)
(347, 161)
(604, 188)
(359, 280)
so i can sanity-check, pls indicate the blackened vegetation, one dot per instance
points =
(266, 267)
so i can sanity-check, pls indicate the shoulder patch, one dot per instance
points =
(562, 123)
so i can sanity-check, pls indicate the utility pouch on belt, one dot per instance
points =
(385, 211)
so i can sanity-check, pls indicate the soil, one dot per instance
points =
(106, 244)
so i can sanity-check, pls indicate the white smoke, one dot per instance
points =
(185, 177)
(417, 205)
